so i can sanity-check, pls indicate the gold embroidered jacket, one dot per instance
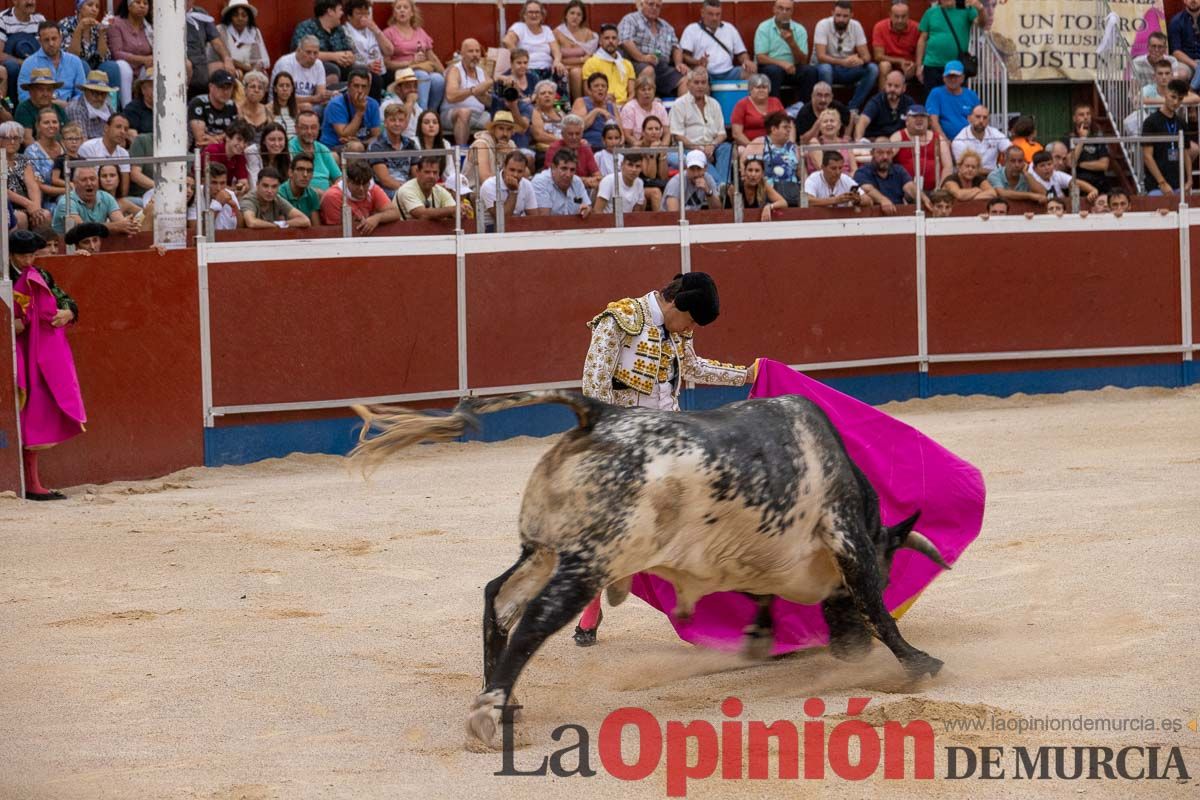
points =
(629, 355)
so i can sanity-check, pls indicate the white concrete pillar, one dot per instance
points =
(170, 122)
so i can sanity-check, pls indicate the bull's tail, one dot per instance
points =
(396, 427)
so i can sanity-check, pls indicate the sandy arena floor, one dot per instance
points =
(285, 630)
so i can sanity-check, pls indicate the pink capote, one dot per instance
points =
(52, 407)
(909, 471)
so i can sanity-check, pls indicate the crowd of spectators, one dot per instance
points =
(539, 122)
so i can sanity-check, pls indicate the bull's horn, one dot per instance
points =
(915, 541)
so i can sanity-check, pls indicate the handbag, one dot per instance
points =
(969, 62)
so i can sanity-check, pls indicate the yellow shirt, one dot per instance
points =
(616, 87)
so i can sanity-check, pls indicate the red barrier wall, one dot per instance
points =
(527, 315)
(1053, 291)
(289, 331)
(785, 299)
(10, 454)
(138, 363)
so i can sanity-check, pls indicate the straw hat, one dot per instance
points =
(234, 5)
(402, 75)
(501, 118)
(97, 81)
(42, 76)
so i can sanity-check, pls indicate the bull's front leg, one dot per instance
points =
(759, 638)
(855, 557)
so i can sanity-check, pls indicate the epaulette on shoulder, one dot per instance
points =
(628, 315)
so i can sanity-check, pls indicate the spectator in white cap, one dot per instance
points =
(697, 186)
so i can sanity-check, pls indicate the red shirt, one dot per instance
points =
(746, 115)
(236, 165)
(331, 204)
(587, 160)
(929, 153)
(896, 45)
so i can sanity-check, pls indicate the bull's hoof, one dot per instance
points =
(757, 644)
(484, 720)
(921, 664)
(585, 638)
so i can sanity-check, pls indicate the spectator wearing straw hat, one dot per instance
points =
(91, 109)
(405, 90)
(490, 146)
(66, 68)
(40, 88)
(243, 38)
(140, 110)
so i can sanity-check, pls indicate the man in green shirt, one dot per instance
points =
(41, 88)
(781, 50)
(945, 36)
(298, 192)
(325, 166)
(90, 203)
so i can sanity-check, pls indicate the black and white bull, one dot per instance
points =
(757, 497)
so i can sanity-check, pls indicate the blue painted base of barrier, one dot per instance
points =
(242, 444)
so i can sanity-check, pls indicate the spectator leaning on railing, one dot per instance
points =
(89, 203)
(1056, 183)
(832, 187)
(694, 183)
(424, 197)
(1011, 182)
(297, 191)
(264, 209)
(887, 184)
(970, 181)
(756, 193)
(368, 203)
(516, 193)
(559, 191)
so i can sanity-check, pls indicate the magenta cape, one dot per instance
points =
(51, 403)
(910, 471)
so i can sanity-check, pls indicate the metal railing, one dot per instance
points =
(412, 156)
(991, 81)
(1118, 89)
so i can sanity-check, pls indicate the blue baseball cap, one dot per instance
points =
(953, 68)
(916, 110)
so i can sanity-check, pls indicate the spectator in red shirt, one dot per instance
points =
(572, 139)
(369, 204)
(894, 44)
(749, 115)
(231, 154)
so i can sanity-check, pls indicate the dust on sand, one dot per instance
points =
(287, 630)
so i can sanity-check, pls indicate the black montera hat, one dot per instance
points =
(24, 242)
(698, 297)
(85, 230)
